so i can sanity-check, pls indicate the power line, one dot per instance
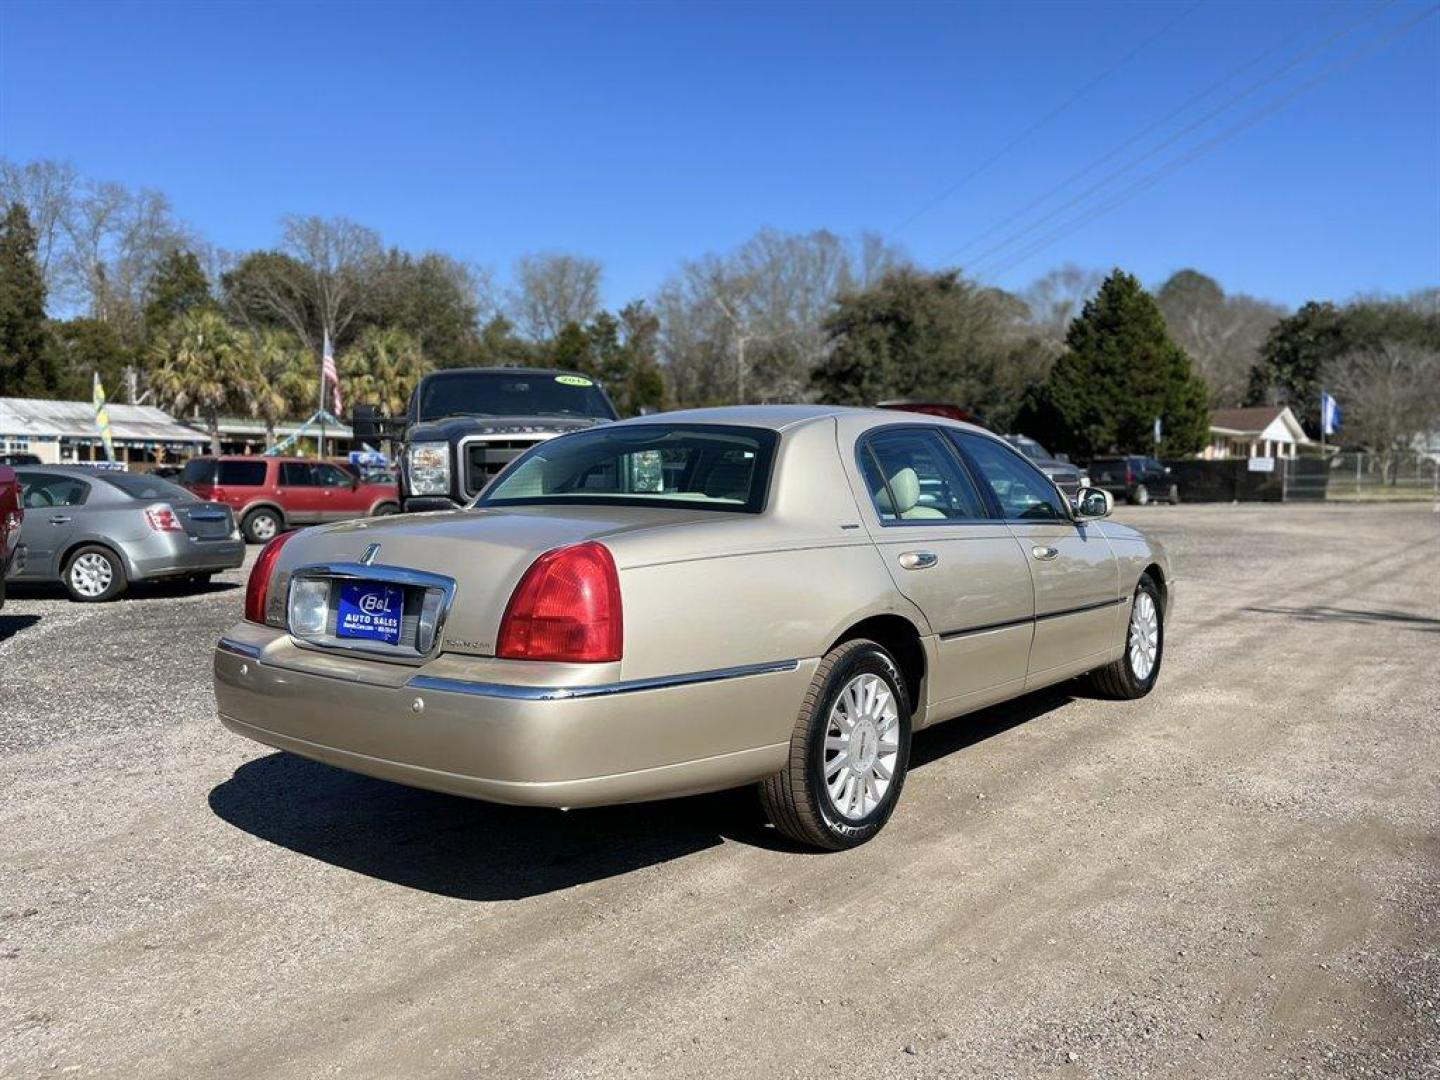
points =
(1173, 166)
(1131, 141)
(1051, 115)
(1194, 125)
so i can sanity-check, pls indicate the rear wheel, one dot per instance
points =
(1174, 494)
(93, 574)
(386, 509)
(1134, 674)
(849, 751)
(261, 525)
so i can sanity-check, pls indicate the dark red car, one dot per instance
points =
(271, 494)
(934, 408)
(12, 513)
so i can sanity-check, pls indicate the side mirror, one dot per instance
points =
(365, 422)
(1091, 503)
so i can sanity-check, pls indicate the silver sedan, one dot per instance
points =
(96, 531)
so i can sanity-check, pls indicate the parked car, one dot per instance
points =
(12, 515)
(13, 459)
(272, 494)
(96, 531)
(1135, 478)
(1066, 476)
(932, 408)
(686, 602)
(464, 425)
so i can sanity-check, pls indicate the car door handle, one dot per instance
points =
(1045, 553)
(60, 519)
(919, 560)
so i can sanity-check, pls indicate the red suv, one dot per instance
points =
(271, 494)
(12, 513)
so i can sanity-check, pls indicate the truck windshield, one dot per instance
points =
(511, 393)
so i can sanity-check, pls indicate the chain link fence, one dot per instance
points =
(1358, 477)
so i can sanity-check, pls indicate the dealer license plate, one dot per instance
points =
(370, 611)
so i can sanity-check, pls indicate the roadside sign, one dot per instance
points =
(1262, 464)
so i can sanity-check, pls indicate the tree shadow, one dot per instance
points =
(471, 850)
(10, 625)
(1321, 613)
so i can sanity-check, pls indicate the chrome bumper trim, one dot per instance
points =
(565, 693)
(239, 648)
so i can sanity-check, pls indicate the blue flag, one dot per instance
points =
(1330, 414)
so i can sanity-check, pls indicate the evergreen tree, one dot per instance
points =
(179, 285)
(1119, 373)
(26, 365)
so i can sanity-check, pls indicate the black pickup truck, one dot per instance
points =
(464, 425)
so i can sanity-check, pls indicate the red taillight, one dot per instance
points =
(161, 518)
(566, 607)
(257, 589)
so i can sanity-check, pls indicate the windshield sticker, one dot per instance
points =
(573, 380)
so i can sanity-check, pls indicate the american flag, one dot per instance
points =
(327, 371)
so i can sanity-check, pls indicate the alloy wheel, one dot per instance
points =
(1144, 635)
(862, 743)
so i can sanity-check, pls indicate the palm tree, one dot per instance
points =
(382, 367)
(279, 377)
(198, 368)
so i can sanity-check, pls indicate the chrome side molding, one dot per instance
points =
(564, 693)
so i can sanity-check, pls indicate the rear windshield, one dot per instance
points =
(141, 486)
(687, 466)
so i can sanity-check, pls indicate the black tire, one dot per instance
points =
(255, 526)
(797, 799)
(385, 510)
(78, 579)
(1140, 496)
(1174, 494)
(1118, 680)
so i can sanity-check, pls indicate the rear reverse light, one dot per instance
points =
(257, 588)
(566, 607)
(161, 517)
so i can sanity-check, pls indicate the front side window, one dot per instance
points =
(689, 466)
(331, 476)
(1023, 491)
(39, 491)
(297, 474)
(913, 476)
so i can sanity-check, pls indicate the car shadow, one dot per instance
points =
(137, 590)
(478, 851)
(10, 625)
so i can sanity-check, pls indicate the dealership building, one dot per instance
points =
(62, 432)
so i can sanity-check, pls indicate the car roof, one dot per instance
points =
(79, 472)
(782, 417)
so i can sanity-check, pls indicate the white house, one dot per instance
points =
(1267, 431)
(60, 432)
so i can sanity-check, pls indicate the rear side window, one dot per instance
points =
(38, 491)
(241, 474)
(1023, 491)
(913, 476)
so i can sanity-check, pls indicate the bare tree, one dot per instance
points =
(1055, 299)
(1390, 393)
(748, 325)
(47, 189)
(552, 291)
(1222, 334)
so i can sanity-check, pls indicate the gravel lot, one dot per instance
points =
(1237, 876)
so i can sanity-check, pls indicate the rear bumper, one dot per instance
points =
(519, 744)
(186, 556)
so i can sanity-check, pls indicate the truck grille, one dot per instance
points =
(484, 458)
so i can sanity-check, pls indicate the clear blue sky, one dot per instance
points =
(646, 134)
